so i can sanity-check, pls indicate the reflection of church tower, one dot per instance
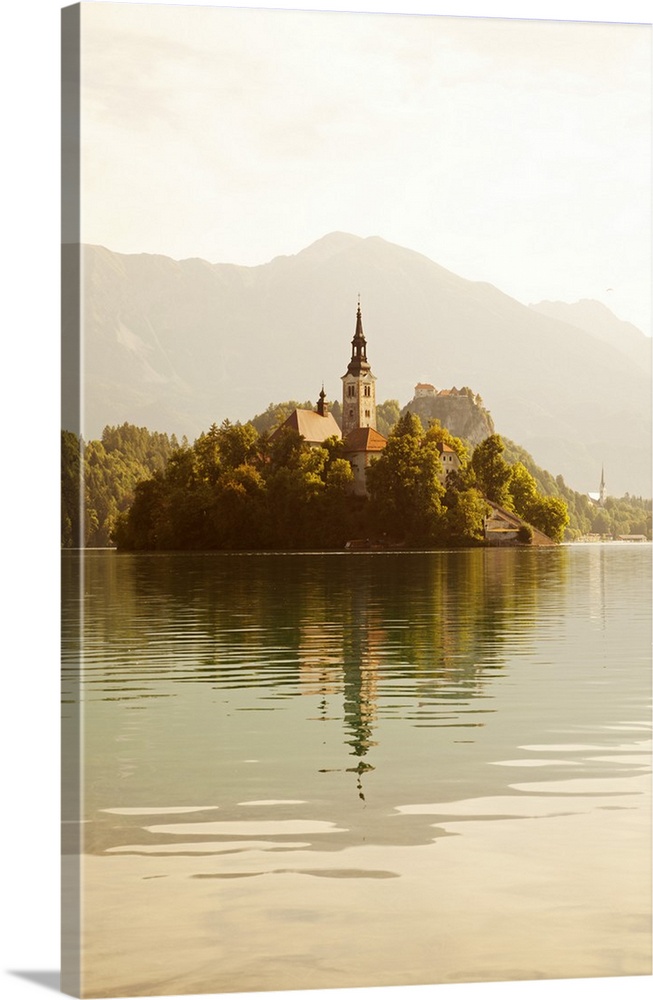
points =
(358, 391)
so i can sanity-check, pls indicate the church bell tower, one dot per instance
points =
(358, 389)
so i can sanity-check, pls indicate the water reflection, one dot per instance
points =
(424, 739)
(335, 688)
(222, 618)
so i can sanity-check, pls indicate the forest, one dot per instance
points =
(235, 488)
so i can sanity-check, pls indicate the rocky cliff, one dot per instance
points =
(460, 411)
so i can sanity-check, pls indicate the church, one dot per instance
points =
(361, 439)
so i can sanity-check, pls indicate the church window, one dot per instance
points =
(367, 413)
(351, 413)
(351, 390)
(368, 390)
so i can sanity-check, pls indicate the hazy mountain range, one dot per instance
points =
(176, 345)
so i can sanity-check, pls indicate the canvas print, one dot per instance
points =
(356, 500)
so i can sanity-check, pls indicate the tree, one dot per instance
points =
(387, 416)
(442, 436)
(492, 471)
(525, 534)
(523, 490)
(239, 513)
(71, 496)
(293, 491)
(207, 451)
(466, 511)
(238, 444)
(550, 515)
(602, 522)
(404, 485)
(139, 528)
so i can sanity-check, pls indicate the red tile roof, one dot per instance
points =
(364, 439)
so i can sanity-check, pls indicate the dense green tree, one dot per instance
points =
(548, 514)
(525, 534)
(104, 482)
(466, 510)
(442, 436)
(523, 490)
(106, 473)
(239, 514)
(492, 471)
(602, 523)
(235, 490)
(71, 491)
(387, 416)
(284, 449)
(144, 526)
(139, 446)
(208, 456)
(404, 485)
(551, 516)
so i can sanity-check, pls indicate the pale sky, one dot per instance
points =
(510, 151)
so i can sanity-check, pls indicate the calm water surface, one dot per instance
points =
(332, 770)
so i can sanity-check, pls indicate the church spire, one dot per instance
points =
(358, 392)
(359, 362)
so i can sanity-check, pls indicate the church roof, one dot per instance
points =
(313, 427)
(365, 439)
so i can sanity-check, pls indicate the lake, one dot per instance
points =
(358, 769)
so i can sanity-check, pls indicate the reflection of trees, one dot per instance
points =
(371, 638)
(434, 621)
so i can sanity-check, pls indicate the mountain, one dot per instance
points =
(177, 345)
(596, 319)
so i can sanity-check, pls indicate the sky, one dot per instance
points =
(511, 151)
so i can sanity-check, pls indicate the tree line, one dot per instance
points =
(99, 479)
(236, 488)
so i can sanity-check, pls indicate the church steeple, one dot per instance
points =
(359, 360)
(358, 390)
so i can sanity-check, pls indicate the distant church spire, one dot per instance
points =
(602, 487)
(321, 405)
